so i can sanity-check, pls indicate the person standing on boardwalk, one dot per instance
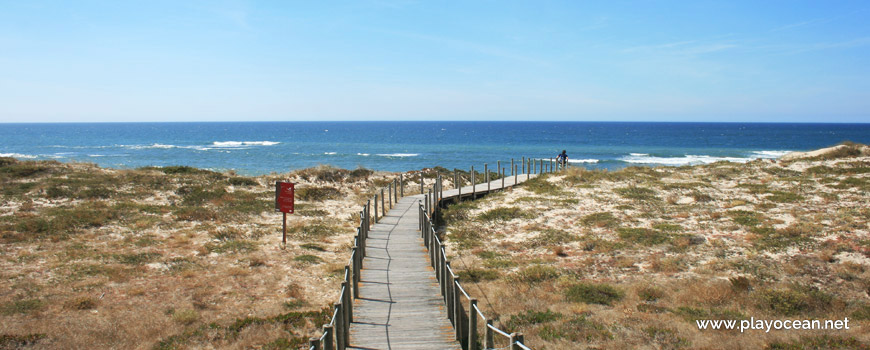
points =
(562, 159)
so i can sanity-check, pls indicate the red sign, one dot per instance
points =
(284, 193)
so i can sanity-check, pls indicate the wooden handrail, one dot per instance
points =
(452, 289)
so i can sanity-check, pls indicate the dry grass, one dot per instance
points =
(168, 258)
(645, 252)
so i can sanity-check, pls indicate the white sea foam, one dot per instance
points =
(227, 144)
(17, 155)
(330, 153)
(96, 155)
(639, 154)
(363, 154)
(399, 155)
(684, 160)
(582, 160)
(154, 145)
(769, 154)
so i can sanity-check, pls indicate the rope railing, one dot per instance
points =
(465, 318)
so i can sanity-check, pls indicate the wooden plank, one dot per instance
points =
(400, 304)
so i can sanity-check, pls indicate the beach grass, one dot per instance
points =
(765, 239)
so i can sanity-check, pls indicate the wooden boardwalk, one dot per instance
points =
(400, 305)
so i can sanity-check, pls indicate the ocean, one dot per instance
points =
(254, 148)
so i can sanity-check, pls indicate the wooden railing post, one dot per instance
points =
(368, 215)
(524, 165)
(455, 178)
(459, 187)
(487, 336)
(390, 192)
(486, 176)
(421, 182)
(473, 184)
(376, 208)
(314, 343)
(457, 308)
(361, 232)
(472, 324)
(512, 166)
(517, 338)
(444, 277)
(498, 170)
(383, 207)
(515, 172)
(346, 297)
(440, 187)
(328, 341)
(502, 178)
(355, 279)
(401, 185)
(339, 327)
(347, 310)
(449, 294)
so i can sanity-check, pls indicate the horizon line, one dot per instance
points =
(431, 121)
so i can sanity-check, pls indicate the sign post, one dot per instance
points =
(285, 193)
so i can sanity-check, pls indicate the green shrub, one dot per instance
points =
(592, 293)
(637, 193)
(820, 342)
(643, 236)
(198, 195)
(578, 329)
(536, 274)
(745, 218)
(185, 316)
(666, 227)
(136, 259)
(458, 212)
(81, 303)
(97, 192)
(650, 293)
(360, 173)
(790, 302)
(602, 219)
(317, 194)
(15, 341)
(552, 236)
(541, 186)
(243, 181)
(18, 170)
(862, 313)
(784, 197)
(477, 275)
(234, 246)
(505, 214)
(308, 259)
(185, 170)
(531, 317)
(794, 234)
(24, 306)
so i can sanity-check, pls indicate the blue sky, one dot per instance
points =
(789, 61)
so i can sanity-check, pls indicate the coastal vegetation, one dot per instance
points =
(178, 257)
(633, 258)
(169, 257)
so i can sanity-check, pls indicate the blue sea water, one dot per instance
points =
(254, 148)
